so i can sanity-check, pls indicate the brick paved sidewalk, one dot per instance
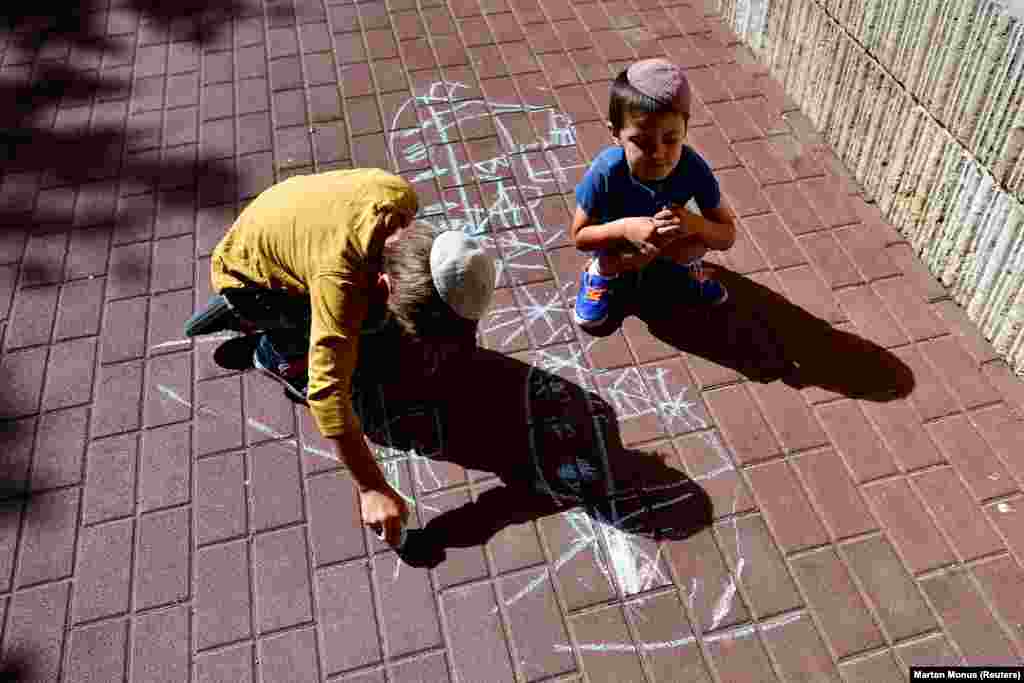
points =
(164, 519)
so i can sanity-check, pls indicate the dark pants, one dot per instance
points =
(284, 318)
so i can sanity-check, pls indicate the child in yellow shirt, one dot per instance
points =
(315, 260)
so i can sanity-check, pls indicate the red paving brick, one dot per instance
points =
(897, 602)
(833, 491)
(183, 521)
(788, 512)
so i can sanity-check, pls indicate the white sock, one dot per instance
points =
(595, 269)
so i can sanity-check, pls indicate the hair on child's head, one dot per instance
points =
(414, 305)
(650, 86)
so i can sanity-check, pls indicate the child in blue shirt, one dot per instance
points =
(630, 204)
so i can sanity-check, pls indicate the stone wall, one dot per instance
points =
(922, 100)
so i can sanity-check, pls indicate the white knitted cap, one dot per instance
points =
(463, 273)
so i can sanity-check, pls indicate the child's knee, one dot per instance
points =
(612, 262)
(608, 261)
(685, 251)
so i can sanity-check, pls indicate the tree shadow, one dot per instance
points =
(18, 498)
(16, 669)
(36, 25)
(46, 137)
(18, 484)
(765, 337)
(552, 444)
(15, 429)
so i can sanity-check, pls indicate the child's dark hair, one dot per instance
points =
(414, 305)
(624, 98)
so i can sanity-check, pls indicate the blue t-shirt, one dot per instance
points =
(609, 191)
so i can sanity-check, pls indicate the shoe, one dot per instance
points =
(701, 289)
(218, 316)
(292, 373)
(236, 353)
(595, 298)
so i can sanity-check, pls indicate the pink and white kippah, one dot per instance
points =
(662, 81)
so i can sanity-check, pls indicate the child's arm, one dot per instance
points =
(622, 245)
(380, 505)
(617, 234)
(338, 307)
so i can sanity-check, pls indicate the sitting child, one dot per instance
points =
(310, 264)
(630, 204)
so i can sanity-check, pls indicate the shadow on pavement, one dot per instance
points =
(13, 495)
(765, 337)
(15, 670)
(17, 491)
(552, 444)
(48, 25)
(16, 437)
(48, 86)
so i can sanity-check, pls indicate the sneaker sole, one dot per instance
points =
(236, 353)
(281, 380)
(585, 324)
(216, 317)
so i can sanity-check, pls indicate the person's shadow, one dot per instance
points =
(765, 337)
(553, 444)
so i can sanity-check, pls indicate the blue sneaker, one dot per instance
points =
(701, 289)
(593, 300)
(292, 373)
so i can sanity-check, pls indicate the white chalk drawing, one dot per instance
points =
(509, 220)
(538, 162)
(542, 315)
(520, 256)
(679, 410)
(174, 343)
(626, 561)
(730, 634)
(514, 179)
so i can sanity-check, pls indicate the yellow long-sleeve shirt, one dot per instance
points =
(320, 235)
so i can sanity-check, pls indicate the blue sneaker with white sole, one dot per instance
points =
(598, 298)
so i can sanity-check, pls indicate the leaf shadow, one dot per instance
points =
(52, 81)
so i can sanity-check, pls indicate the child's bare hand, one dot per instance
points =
(385, 512)
(639, 229)
(668, 227)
